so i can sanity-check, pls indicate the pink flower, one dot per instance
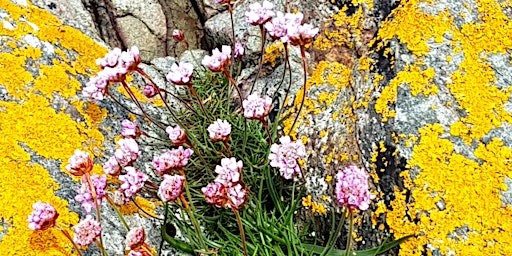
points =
(171, 187)
(133, 182)
(178, 35)
(218, 61)
(96, 88)
(302, 35)
(228, 171)
(110, 59)
(44, 216)
(177, 135)
(135, 238)
(172, 160)
(285, 156)
(259, 14)
(219, 130)
(215, 193)
(112, 166)
(84, 194)
(127, 152)
(237, 196)
(256, 107)
(130, 129)
(86, 231)
(180, 74)
(80, 163)
(150, 91)
(130, 59)
(352, 190)
(239, 50)
(278, 27)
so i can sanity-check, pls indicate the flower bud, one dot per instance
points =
(80, 163)
(178, 35)
(150, 91)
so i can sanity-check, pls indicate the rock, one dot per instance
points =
(137, 34)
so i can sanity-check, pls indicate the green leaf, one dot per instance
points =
(370, 252)
(180, 245)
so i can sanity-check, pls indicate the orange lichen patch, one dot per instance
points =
(34, 124)
(137, 92)
(144, 204)
(418, 81)
(348, 30)
(273, 52)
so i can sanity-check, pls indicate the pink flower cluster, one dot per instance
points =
(87, 231)
(172, 160)
(171, 187)
(177, 135)
(180, 74)
(115, 66)
(352, 190)
(219, 130)
(133, 182)
(259, 14)
(130, 129)
(219, 60)
(286, 155)
(239, 50)
(127, 152)
(256, 107)
(84, 194)
(135, 238)
(289, 28)
(44, 216)
(227, 190)
(80, 163)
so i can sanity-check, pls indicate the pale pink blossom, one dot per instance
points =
(215, 193)
(150, 91)
(180, 74)
(84, 194)
(256, 107)
(135, 238)
(86, 231)
(133, 182)
(177, 135)
(130, 129)
(80, 163)
(218, 61)
(285, 156)
(352, 190)
(237, 196)
(259, 14)
(44, 216)
(228, 172)
(178, 35)
(96, 88)
(130, 59)
(278, 27)
(110, 59)
(239, 50)
(127, 152)
(219, 130)
(302, 35)
(112, 166)
(171, 187)
(172, 160)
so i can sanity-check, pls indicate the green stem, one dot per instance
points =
(190, 211)
(242, 233)
(334, 236)
(351, 229)
(119, 214)
(305, 67)
(98, 214)
(66, 234)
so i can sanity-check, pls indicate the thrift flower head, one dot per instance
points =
(180, 74)
(278, 27)
(302, 35)
(110, 59)
(135, 238)
(256, 107)
(127, 152)
(112, 166)
(259, 14)
(228, 171)
(171, 187)
(218, 61)
(285, 156)
(86, 231)
(150, 91)
(237, 196)
(219, 130)
(119, 197)
(133, 182)
(177, 135)
(178, 35)
(84, 194)
(97, 86)
(130, 59)
(239, 50)
(130, 129)
(215, 193)
(352, 188)
(80, 163)
(172, 160)
(43, 217)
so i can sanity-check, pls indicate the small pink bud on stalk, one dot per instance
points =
(179, 36)
(150, 91)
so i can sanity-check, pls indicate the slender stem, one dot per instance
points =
(351, 229)
(98, 213)
(274, 97)
(136, 101)
(263, 37)
(166, 208)
(147, 213)
(102, 249)
(230, 9)
(119, 214)
(303, 53)
(123, 106)
(153, 137)
(334, 236)
(232, 81)
(194, 92)
(190, 210)
(265, 124)
(241, 228)
(179, 99)
(287, 58)
(226, 144)
(68, 236)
